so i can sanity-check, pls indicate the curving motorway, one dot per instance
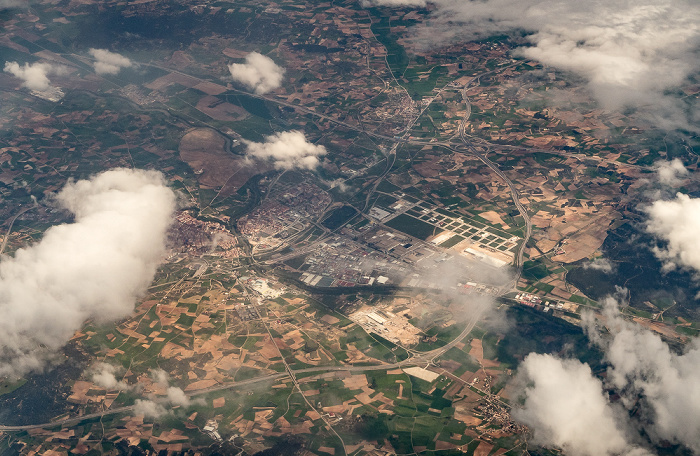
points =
(421, 359)
(9, 228)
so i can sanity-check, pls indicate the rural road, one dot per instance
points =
(422, 359)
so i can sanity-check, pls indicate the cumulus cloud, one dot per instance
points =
(565, 406)
(670, 173)
(105, 375)
(149, 409)
(260, 73)
(599, 264)
(157, 408)
(34, 76)
(95, 267)
(175, 395)
(178, 397)
(630, 51)
(676, 222)
(107, 62)
(160, 376)
(643, 366)
(287, 150)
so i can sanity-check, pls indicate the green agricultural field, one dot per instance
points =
(413, 226)
(451, 242)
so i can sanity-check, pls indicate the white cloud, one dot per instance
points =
(599, 264)
(642, 365)
(160, 376)
(107, 62)
(105, 375)
(175, 395)
(149, 409)
(629, 51)
(152, 408)
(34, 76)
(565, 407)
(95, 267)
(565, 404)
(670, 173)
(677, 222)
(287, 150)
(259, 73)
(178, 397)
(14, 3)
(337, 183)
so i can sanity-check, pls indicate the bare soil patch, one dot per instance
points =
(204, 150)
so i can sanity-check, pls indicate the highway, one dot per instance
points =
(464, 141)
(515, 195)
(422, 359)
(125, 409)
(519, 258)
(361, 129)
(9, 228)
(405, 138)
